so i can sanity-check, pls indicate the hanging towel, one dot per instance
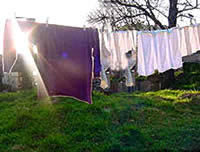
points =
(105, 61)
(133, 39)
(168, 51)
(158, 50)
(1, 66)
(118, 43)
(131, 56)
(65, 59)
(9, 51)
(9, 48)
(194, 38)
(147, 62)
(2, 28)
(162, 50)
(190, 39)
(175, 49)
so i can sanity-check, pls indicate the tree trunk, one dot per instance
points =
(172, 21)
(173, 12)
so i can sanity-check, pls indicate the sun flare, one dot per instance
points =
(22, 47)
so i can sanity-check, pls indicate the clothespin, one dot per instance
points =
(47, 21)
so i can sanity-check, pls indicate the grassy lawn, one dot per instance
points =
(167, 120)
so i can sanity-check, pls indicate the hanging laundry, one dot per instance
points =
(1, 66)
(147, 62)
(2, 28)
(190, 39)
(65, 59)
(9, 49)
(114, 46)
(133, 37)
(118, 43)
(105, 61)
(158, 50)
(168, 53)
(131, 56)
(175, 50)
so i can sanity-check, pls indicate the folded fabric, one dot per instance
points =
(65, 59)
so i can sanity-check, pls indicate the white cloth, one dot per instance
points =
(2, 27)
(114, 46)
(105, 60)
(174, 50)
(118, 43)
(128, 75)
(133, 38)
(158, 50)
(131, 60)
(190, 39)
(147, 63)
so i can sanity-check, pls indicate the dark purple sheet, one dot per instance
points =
(65, 59)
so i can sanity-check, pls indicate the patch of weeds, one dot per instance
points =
(22, 121)
(54, 143)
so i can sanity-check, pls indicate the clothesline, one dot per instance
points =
(68, 57)
(66, 54)
(160, 50)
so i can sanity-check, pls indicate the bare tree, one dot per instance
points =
(143, 13)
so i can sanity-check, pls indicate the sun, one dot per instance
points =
(22, 44)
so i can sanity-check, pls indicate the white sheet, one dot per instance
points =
(158, 50)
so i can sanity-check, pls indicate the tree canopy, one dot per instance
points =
(143, 14)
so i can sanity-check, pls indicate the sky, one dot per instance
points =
(63, 12)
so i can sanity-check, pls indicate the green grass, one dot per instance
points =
(188, 78)
(166, 120)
